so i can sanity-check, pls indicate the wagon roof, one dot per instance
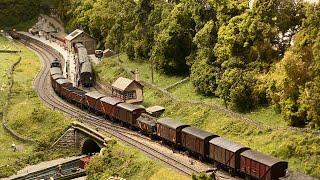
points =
(129, 107)
(76, 90)
(198, 132)
(55, 70)
(261, 158)
(171, 123)
(226, 144)
(63, 81)
(95, 95)
(147, 119)
(111, 100)
(57, 76)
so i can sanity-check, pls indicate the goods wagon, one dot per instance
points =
(147, 124)
(261, 166)
(91, 99)
(107, 106)
(54, 78)
(76, 95)
(226, 153)
(128, 113)
(55, 70)
(62, 83)
(170, 130)
(196, 140)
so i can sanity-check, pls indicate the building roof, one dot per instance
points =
(153, 109)
(95, 95)
(55, 70)
(129, 107)
(171, 123)
(57, 76)
(123, 83)
(198, 132)
(147, 119)
(74, 34)
(63, 81)
(226, 144)
(110, 100)
(262, 158)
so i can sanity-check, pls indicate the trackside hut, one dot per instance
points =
(129, 91)
(79, 36)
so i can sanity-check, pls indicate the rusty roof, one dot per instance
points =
(95, 95)
(63, 81)
(55, 70)
(111, 100)
(147, 119)
(57, 76)
(122, 83)
(171, 123)
(226, 144)
(129, 107)
(198, 133)
(261, 158)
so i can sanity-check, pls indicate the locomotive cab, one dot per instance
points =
(56, 63)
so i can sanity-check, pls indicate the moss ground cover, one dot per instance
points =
(301, 150)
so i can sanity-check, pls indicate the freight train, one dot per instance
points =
(225, 154)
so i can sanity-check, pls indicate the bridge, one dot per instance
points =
(81, 137)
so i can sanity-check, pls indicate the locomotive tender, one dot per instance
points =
(225, 154)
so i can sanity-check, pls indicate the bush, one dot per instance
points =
(203, 77)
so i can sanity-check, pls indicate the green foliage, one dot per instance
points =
(13, 12)
(118, 159)
(226, 47)
(295, 94)
(203, 77)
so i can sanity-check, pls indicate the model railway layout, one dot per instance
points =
(235, 158)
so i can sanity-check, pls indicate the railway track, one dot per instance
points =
(43, 87)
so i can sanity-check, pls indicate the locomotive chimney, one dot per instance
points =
(136, 75)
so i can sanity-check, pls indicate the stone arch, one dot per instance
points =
(90, 146)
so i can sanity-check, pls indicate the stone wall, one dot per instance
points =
(67, 140)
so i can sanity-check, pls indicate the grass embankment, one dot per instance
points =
(129, 164)
(26, 115)
(301, 150)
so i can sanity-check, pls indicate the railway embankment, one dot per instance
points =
(23, 114)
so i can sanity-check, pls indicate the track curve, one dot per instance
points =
(43, 87)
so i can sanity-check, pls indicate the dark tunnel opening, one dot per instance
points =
(90, 147)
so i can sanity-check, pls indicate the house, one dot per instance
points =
(79, 36)
(128, 90)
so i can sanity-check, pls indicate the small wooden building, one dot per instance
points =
(129, 91)
(79, 36)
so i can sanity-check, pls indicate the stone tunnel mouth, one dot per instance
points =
(90, 147)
